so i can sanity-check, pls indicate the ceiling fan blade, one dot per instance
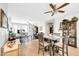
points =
(52, 6)
(61, 11)
(63, 5)
(47, 12)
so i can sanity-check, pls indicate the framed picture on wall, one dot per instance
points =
(4, 19)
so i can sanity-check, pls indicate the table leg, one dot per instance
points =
(50, 49)
(53, 49)
(2, 51)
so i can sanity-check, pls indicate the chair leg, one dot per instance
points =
(53, 50)
(43, 52)
(67, 51)
(63, 52)
(49, 50)
(39, 50)
(57, 49)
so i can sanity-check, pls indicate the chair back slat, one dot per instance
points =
(40, 37)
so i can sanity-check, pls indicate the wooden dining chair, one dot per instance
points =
(42, 43)
(63, 45)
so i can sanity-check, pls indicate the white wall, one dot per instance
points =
(4, 7)
(3, 36)
(56, 25)
(3, 32)
(41, 24)
(78, 33)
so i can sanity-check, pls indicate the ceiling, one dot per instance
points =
(35, 11)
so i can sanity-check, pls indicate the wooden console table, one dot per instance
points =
(7, 50)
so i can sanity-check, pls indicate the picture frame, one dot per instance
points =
(4, 19)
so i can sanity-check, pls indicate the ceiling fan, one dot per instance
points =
(55, 9)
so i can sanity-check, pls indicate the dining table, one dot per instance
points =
(53, 39)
